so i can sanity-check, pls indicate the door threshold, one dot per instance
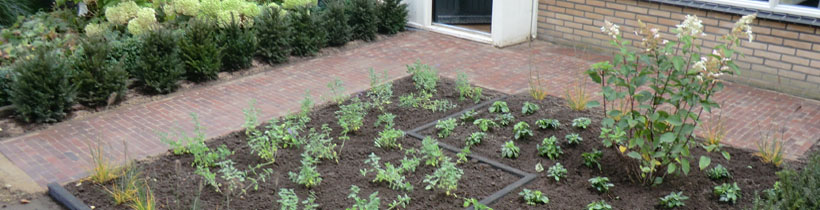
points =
(463, 33)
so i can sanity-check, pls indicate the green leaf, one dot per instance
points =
(634, 154)
(591, 104)
(658, 180)
(704, 162)
(678, 62)
(670, 169)
(668, 137)
(674, 120)
(684, 165)
(726, 155)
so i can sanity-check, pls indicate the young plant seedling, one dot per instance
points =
(462, 155)
(557, 172)
(424, 76)
(601, 184)
(308, 175)
(388, 138)
(718, 172)
(389, 174)
(401, 201)
(475, 204)
(337, 90)
(599, 205)
(529, 108)
(351, 116)
(549, 148)
(534, 197)
(372, 203)
(674, 199)
(522, 130)
(380, 91)
(431, 152)
(574, 138)
(475, 138)
(288, 200)
(592, 158)
(728, 193)
(581, 122)
(320, 144)
(509, 150)
(505, 119)
(445, 177)
(499, 107)
(468, 116)
(548, 123)
(385, 119)
(465, 90)
(485, 124)
(445, 127)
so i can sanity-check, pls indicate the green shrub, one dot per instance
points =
(200, 51)
(240, 44)
(43, 91)
(274, 34)
(392, 16)
(11, 9)
(309, 35)
(6, 80)
(98, 79)
(126, 51)
(293, 4)
(335, 19)
(160, 63)
(795, 190)
(364, 19)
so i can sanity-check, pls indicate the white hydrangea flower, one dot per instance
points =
(691, 26)
(145, 21)
(187, 7)
(93, 29)
(122, 12)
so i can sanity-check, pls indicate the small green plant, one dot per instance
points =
(43, 91)
(390, 174)
(431, 152)
(674, 199)
(499, 107)
(601, 184)
(424, 101)
(372, 203)
(522, 130)
(351, 116)
(529, 108)
(549, 148)
(548, 123)
(468, 116)
(380, 90)
(574, 138)
(388, 138)
(557, 172)
(462, 155)
(401, 201)
(577, 97)
(509, 150)
(125, 188)
(534, 197)
(796, 189)
(238, 181)
(505, 119)
(320, 145)
(274, 34)
(581, 122)
(485, 124)
(475, 204)
(718, 172)
(475, 138)
(599, 205)
(728, 193)
(288, 200)
(308, 175)
(385, 119)
(445, 127)
(465, 90)
(770, 149)
(592, 158)
(337, 91)
(260, 142)
(424, 77)
(445, 177)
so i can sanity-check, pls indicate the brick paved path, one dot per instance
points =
(60, 153)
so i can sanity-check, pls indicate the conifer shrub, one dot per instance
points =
(42, 91)
(99, 80)
(274, 35)
(392, 16)
(364, 19)
(160, 64)
(240, 45)
(200, 50)
(309, 34)
(6, 79)
(336, 22)
(125, 50)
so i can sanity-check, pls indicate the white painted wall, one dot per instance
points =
(514, 21)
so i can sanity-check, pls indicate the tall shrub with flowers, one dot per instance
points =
(666, 85)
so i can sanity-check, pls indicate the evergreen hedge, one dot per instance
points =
(43, 91)
(392, 16)
(240, 45)
(309, 34)
(98, 79)
(364, 19)
(274, 34)
(335, 21)
(201, 51)
(160, 64)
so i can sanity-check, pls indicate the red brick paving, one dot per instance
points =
(60, 153)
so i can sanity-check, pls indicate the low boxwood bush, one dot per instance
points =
(309, 35)
(200, 50)
(364, 19)
(392, 16)
(99, 80)
(160, 66)
(274, 34)
(795, 190)
(335, 19)
(43, 91)
(240, 45)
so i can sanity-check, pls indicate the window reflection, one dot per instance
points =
(804, 3)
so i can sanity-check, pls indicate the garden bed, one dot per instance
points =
(175, 185)
(575, 192)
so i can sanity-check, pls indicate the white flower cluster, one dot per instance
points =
(691, 26)
(146, 20)
(93, 29)
(744, 25)
(122, 12)
(611, 29)
(186, 7)
(225, 11)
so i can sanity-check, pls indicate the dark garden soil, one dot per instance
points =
(175, 185)
(575, 192)
(10, 126)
